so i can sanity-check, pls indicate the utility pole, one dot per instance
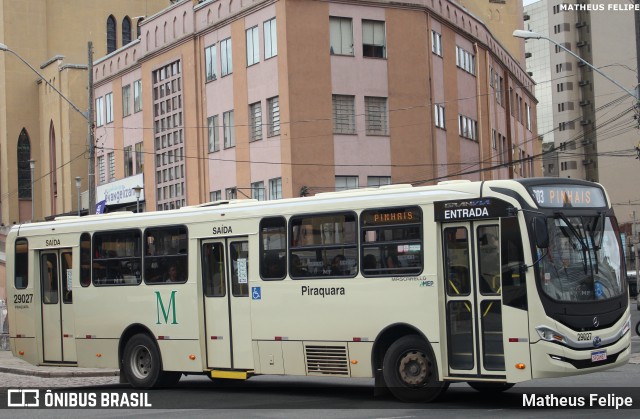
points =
(91, 181)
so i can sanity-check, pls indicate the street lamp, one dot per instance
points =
(519, 33)
(137, 190)
(32, 166)
(86, 115)
(78, 184)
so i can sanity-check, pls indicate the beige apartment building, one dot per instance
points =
(268, 99)
(36, 123)
(591, 122)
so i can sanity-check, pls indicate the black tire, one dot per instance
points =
(638, 328)
(490, 388)
(141, 362)
(410, 370)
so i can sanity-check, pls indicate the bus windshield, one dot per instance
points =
(583, 261)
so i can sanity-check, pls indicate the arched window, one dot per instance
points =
(138, 25)
(126, 30)
(24, 170)
(111, 34)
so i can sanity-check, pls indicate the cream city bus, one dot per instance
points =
(490, 283)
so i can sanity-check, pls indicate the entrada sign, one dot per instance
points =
(470, 209)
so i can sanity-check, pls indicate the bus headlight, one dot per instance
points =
(626, 327)
(550, 335)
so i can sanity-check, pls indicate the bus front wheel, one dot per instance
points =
(411, 372)
(142, 365)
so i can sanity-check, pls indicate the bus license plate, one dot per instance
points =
(597, 356)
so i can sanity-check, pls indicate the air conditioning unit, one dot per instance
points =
(581, 24)
(581, 44)
(585, 122)
(586, 141)
(527, 55)
(583, 83)
(526, 17)
(585, 102)
(581, 64)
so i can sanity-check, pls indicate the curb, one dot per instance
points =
(58, 374)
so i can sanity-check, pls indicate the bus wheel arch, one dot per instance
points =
(141, 361)
(404, 362)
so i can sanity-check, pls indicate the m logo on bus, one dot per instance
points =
(171, 308)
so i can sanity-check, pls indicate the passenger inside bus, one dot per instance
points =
(172, 274)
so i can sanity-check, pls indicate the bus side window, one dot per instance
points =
(21, 278)
(273, 245)
(514, 288)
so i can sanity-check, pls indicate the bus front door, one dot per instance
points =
(473, 290)
(58, 342)
(225, 283)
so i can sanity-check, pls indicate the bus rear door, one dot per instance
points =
(225, 282)
(58, 342)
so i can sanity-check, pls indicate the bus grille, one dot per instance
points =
(327, 360)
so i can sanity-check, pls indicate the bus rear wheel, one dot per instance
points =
(142, 364)
(411, 372)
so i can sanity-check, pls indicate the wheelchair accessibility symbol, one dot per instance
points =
(256, 293)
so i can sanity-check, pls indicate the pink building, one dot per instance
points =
(225, 99)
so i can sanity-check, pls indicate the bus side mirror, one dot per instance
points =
(540, 232)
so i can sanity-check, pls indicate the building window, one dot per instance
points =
(569, 165)
(436, 43)
(499, 81)
(226, 58)
(137, 95)
(255, 121)
(566, 45)
(274, 116)
(561, 87)
(126, 30)
(210, 62)
(229, 129)
(494, 139)
(215, 196)
(139, 158)
(126, 100)
(108, 104)
(528, 115)
(344, 118)
(112, 166)
(275, 188)
(346, 182)
(102, 175)
(376, 115)
(253, 46)
(468, 128)
(257, 191)
(377, 181)
(270, 39)
(231, 193)
(99, 111)
(24, 168)
(465, 60)
(439, 116)
(341, 33)
(568, 125)
(128, 161)
(111, 34)
(214, 142)
(374, 42)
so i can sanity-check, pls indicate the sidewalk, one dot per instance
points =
(13, 365)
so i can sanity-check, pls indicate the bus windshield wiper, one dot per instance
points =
(577, 234)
